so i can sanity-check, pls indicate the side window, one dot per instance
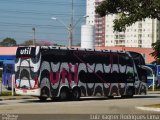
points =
(129, 61)
(138, 58)
(122, 59)
(107, 59)
(115, 58)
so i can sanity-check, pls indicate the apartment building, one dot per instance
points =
(99, 22)
(141, 34)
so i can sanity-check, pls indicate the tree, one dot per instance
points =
(39, 43)
(44, 42)
(130, 11)
(8, 42)
(156, 52)
(27, 42)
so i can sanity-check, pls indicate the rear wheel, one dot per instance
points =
(44, 94)
(110, 97)
(129, 93)
(54, 99)
(43, 99)
(64, 94)
(76, 94)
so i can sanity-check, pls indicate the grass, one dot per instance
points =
(155, 89)
(6, 94)
(153, 105)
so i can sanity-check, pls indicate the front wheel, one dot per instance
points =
(143, 90)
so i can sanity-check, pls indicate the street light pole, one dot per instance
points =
(34, 38)
(70, 28)
(70, 35)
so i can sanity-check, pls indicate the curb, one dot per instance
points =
(16, 98)
(153, 92)
(149, 109)
(1, 99)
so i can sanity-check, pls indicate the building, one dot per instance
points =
(141, 34)
(7, 54)
(99, 22)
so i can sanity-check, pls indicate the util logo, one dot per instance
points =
(64, 74)
(26, 51)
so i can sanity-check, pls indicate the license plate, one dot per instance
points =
(24, 91)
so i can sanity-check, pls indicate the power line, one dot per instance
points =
(37, 32)
(52, 3)
(31, 25)
(19, 20)
(36, 12)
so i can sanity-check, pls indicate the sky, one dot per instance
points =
(18, 17)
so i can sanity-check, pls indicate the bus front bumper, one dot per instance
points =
(28, 92)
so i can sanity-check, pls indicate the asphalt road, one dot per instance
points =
(85, 108)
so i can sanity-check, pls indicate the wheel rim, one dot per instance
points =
(63, 95)
(76, 94)
(130, 93)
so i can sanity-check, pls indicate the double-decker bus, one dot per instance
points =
(8, 73)
(69, 73)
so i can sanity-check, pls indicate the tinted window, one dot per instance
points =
(115, 58)
(137, 57)
(122, 59)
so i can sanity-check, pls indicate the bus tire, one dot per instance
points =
(130, 93)
(64, 94)
(143, 92)
(110, 97)
(76, 94)
(42, 99)
(54, 98)
(44, 94)
(123, 96)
